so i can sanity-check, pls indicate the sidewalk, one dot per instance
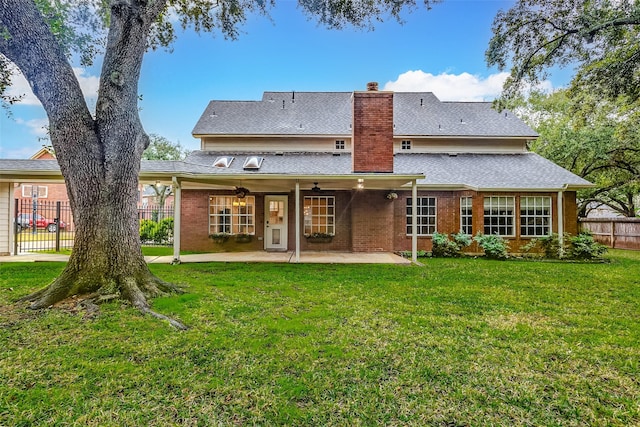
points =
(248, 257)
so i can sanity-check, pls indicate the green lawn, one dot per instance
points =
(453, 343)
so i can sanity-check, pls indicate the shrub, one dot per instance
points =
(444, 247)
(583, 246)
(494, 246)
(157, 232)
(164, 231)
(549, 245)
(419, 254)
(148, 229)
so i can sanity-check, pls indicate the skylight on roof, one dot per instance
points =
(253, 162)
(223, 162)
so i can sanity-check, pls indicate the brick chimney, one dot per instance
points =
(372, 130)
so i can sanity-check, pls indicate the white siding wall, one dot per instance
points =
(5, 217)
(285, 144)
(327, 144)
(460, 145)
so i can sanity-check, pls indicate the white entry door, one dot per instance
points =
(275, 223)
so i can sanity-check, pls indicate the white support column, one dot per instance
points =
(297, 258)
(414, 221)
(561, 222)
(177, 208)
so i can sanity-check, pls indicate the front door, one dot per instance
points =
(275, 231)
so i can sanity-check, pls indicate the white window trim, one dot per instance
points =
(405, 144)
(29, 194)
(329, 227)
(418, 216)
(470, 217)
(234, 223)
(514, 225)
(549, 216)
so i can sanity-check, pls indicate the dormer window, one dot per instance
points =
(405, 145)
(340, 144)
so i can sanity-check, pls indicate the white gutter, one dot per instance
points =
(560, 204)
(177, 219)
(414, 223)
(297, 221)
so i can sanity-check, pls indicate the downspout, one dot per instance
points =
(177, 208)
(414, 222)
(561, 222)
(297, 258)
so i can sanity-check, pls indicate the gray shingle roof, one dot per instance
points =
(478, 171)
(490, 171)
(329, 113)
(524, 171)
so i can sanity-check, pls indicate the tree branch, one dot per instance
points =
(31, 46)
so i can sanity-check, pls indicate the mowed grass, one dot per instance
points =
(452, 343)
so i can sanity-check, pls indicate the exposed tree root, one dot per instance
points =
(135, 290)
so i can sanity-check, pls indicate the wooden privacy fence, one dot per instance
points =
(618, 233)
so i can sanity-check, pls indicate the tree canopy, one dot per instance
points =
(600, 38)
(160, 148)
(594, 138)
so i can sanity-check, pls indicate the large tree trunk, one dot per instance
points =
(99, 157)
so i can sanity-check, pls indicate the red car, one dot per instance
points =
(26, 221)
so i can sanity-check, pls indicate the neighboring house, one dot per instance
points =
(343, 171)
(46, 191)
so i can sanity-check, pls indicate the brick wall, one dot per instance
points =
(342, 239)
(372, 218)
(365, 220)
(570, 208)
(448, 216)
(194, 226)
(55, 192)
(372, 132)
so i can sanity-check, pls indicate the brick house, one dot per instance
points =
(343, 171)
(45, 190)
(348, 164)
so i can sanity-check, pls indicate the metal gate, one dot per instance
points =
(42, 226)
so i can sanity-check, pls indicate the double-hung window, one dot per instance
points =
(499, 215)
(425, 216)
(232, 215)
(319, 215)
(466, 215)
(535, 216)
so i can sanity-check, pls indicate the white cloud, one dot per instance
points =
(20, 87)
(38, 127)
(454, 87)
(450, 87)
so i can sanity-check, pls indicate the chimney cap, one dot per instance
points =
(372, 86)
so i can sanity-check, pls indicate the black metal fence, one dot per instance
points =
(41, 225)
(156, 225)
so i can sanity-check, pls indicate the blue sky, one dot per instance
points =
(440, 50)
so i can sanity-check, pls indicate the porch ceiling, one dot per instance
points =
(287, 184)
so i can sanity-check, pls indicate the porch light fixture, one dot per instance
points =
(315, 188)
(253, 162)
(223, 162)
(392, 195)
(360, 185)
